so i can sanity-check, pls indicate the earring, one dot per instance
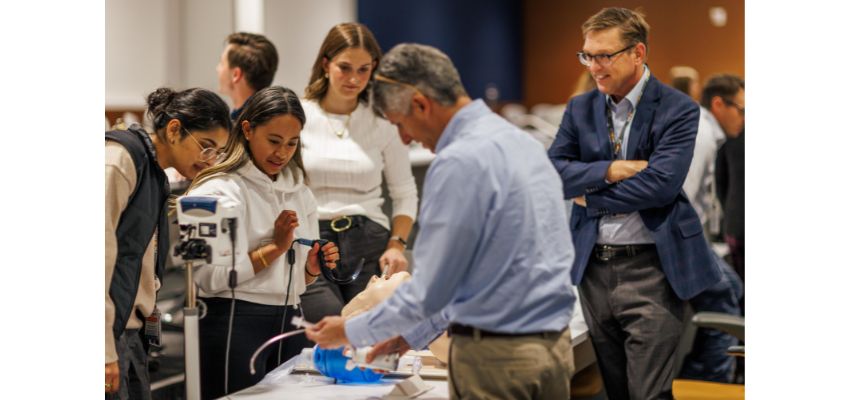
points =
(326, 75)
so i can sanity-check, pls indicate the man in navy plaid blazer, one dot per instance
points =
(623, 153)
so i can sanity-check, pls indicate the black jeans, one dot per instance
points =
(133, 363)
(253, 324)
(367, 240)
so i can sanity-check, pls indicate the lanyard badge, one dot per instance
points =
(153, 328)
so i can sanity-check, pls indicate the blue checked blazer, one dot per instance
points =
(663, 133)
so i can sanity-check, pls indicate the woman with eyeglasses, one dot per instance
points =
(348, 150)
(188, 129)
(261, 173)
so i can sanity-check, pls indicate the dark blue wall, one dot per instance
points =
(483, 38)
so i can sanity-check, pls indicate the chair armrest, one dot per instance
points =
(737, 351)
(731, 324)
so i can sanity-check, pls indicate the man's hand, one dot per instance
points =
(580, 201)
(389, 346)
(393, 260)
(624, 169)
(113, 375)
(329, 333)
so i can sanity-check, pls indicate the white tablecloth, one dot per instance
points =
(280, 383)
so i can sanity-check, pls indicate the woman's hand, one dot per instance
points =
(284, 229)
(331, 257)
(113, 375)
(393, 261)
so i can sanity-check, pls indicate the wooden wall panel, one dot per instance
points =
(680, 34)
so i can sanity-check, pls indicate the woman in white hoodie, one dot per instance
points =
(263, 175)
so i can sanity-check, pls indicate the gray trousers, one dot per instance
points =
(133, 364)
(516, 368)
(635, 322)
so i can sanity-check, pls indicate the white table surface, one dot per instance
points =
(280, 383)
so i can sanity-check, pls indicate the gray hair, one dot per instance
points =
(422, 67)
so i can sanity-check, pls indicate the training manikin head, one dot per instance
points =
(376, 291)
(379, 290)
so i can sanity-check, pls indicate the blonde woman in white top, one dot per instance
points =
(347, 152)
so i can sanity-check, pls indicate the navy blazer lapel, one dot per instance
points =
(600, 121)
(643, 116)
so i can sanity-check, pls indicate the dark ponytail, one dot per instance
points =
(196, 109)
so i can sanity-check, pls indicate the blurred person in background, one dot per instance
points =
(686, 79)
(247, 64)
(724, 96)
(708, 359)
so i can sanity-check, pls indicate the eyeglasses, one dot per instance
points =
(736, 105)
(601, 59)
(207, 153)
(381, 78)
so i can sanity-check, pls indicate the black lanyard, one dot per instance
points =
(617, 141)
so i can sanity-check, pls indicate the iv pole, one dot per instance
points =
(190, 339)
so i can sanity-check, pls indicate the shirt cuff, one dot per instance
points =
(424, 333)
(357, 331)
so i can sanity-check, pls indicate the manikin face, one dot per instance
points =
(273, 143)
(625, 69)
(349, 73)
(376, 291)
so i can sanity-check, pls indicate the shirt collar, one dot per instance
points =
(234, 114)
(634, 95)
(465, 114)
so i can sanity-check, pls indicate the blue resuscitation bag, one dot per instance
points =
(332, 363)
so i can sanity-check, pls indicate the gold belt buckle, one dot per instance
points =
(344, 218)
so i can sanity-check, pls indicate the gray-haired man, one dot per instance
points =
(486, 266)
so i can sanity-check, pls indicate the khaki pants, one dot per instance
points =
(525, 367)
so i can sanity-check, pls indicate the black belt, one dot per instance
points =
(463, 330)
(343, 223)
(607, 252)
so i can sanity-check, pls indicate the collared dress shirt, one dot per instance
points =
(624, 228)
(494, 250)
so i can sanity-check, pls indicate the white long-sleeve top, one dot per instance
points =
(345, 173)
(259, 200)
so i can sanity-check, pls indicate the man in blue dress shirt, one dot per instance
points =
(491, 264)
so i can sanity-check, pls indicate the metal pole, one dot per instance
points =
(190, 339)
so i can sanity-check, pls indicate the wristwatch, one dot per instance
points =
(400, 240)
